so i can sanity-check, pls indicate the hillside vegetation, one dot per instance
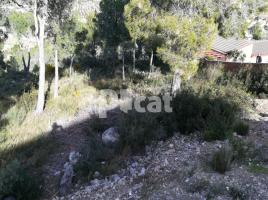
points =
(65, 67)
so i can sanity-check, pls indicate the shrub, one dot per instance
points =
(241, 128)
(93, 156)
(221, 161)
(97, 124)
(240, 149)
(20, 22)
(237, 193)
(139, 129)
(15, 181)
(201, 113)
(259, 169)
(24, 106)
(210, 108)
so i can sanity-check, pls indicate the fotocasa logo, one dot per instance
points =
(156, 104)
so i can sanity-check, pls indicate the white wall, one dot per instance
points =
(247, 51)
(264, 59)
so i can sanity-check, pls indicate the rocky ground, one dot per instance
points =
(180, 168)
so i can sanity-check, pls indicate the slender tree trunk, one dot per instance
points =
(151, 61)
(134, 56)
(123, 67)
(56, 83)
(26, 67)
(71, 66)
(42, 67)
(176, 83)
(134, 59)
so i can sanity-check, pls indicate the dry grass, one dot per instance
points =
(26, 133)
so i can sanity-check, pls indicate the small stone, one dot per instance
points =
(95, 182)
(96, 174)
(115, 178)
(74, 157)
(57, 173)
(110, 137)
(135, 164)
(142, 173)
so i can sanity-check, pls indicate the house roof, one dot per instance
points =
(260, 47)
(224, 45)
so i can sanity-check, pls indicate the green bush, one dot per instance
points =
(258, 169)
(209, 108)
(222, 160)
(20, 22)
(252, 78)
(243, 151)
(255, 78)
(15, 181)
(93, 156)
(238, 193)
(214, 117)
(139, 129)
(241, 128)
(24, 105)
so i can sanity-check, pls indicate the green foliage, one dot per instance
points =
(93, 156)
(263, 9)
(15, 83)
(139, 19)
(237, 193)
(237, 56)
(254, 78)
(222, 160)
(21, 22)
(73, 35)
(248, 77)
(139, 129)
(209, 108)
(257, 32)
(17, 114)
(183, 39)
(229, 16)
(258, 169)
(243, 151)
(177, 39)
(15, 181)
(110, 22)
(241, 128)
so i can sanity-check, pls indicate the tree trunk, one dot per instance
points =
(123, 67)
(26, 67)
(134, 56)
(42, 67)
(151, 61)
(71, 66)
(56, 83)
(176, 84)
(134, 59)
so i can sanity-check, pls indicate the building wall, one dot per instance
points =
(247, 51)
(264, 59)
(216, 55)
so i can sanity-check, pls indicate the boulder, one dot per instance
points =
(110, 137)
(74, 157)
